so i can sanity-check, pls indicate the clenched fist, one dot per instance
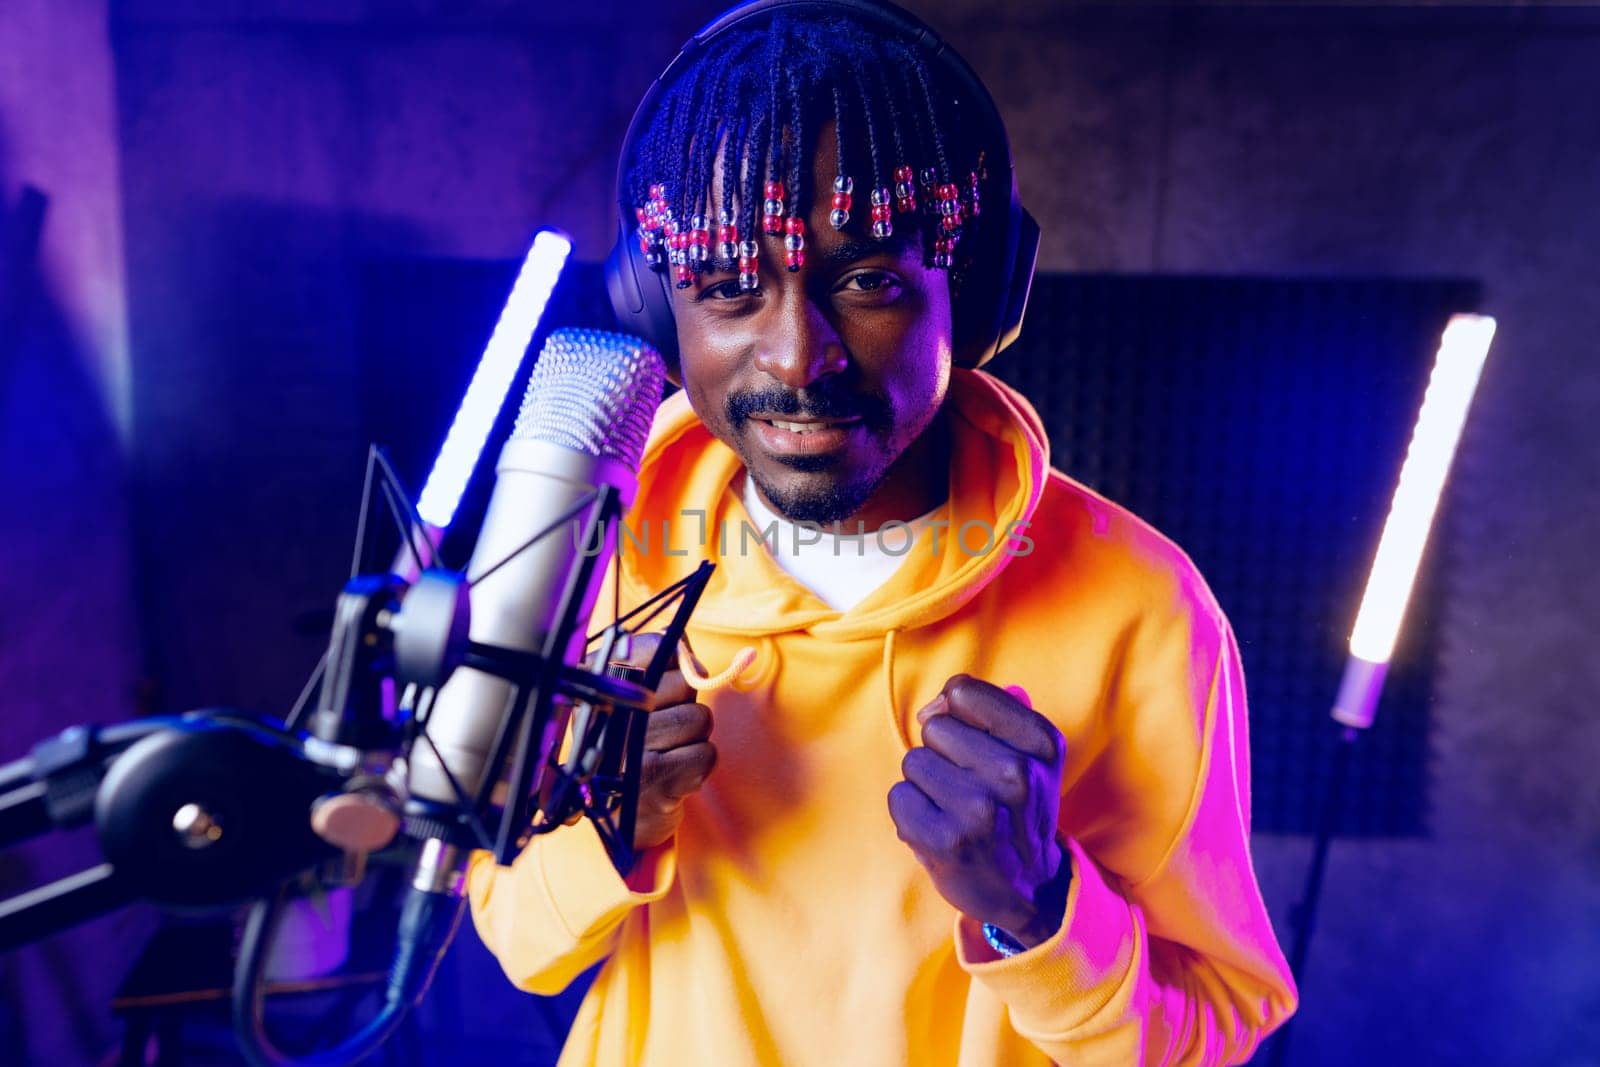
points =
(678, 753)
(979, 803)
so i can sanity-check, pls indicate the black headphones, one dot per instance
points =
(994, 294)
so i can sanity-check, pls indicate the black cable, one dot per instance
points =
(249, 996)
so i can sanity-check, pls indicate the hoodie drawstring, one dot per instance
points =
(888, 681)
(695, 675)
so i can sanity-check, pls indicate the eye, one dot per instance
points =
(870, 286)
(728, 290)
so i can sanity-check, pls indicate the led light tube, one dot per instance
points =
(497, 369)
(1456, 370)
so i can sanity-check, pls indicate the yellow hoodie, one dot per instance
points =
(785, 923)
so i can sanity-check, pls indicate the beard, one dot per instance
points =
(823, 504)
(829, 499)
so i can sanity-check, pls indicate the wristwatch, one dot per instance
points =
(1001, 941)
(1054, 894)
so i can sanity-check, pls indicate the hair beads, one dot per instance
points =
(733, 139)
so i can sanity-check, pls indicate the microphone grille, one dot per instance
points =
(594, 392)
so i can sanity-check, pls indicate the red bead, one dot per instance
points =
(881, 212)
(902, 174)
(772, 224)
(951, 223)
(774, 190)
(906, 203)
(728, 234)
(794, 260)
(794, 224)
(948, 191)
(841, 201)
(658, 191)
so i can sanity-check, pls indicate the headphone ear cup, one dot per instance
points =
(1024, 261)
(639, 298)
(994, 293)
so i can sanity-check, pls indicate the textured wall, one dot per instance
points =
(267, 147)
(58, 117)
(268, 152)
(68, 642)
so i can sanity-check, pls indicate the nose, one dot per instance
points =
(803, 346)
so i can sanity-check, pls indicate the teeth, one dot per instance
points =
(799, 427)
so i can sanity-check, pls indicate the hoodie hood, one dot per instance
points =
(998, 466)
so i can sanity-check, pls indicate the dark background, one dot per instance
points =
(184, 409)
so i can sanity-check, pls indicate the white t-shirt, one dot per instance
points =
(840, 562)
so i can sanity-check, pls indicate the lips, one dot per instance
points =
(804, 425)
(807, 437)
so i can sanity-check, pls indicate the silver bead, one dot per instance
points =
(749, 250)
(838, 218)
(882, 228)
(880, 195)
(794, 242)
(844, 184)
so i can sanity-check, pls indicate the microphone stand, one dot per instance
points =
(419, 644)
(193, 811)
(1354, 709)
(215, 807)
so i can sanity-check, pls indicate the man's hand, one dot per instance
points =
(678, 754)
(978, 806)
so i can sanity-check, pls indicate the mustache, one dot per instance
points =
(819, 403)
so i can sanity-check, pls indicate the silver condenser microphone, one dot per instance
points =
(583, 425)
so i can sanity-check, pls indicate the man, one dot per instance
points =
(979, 789)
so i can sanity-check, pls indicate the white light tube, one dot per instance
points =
(497, 369)
(1456, 371)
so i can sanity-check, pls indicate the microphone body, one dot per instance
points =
(516, 605)
(583, 424)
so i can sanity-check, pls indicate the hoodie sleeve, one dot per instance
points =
(556, 910)
(1180, 966)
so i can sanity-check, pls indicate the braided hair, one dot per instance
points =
(755, 103)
